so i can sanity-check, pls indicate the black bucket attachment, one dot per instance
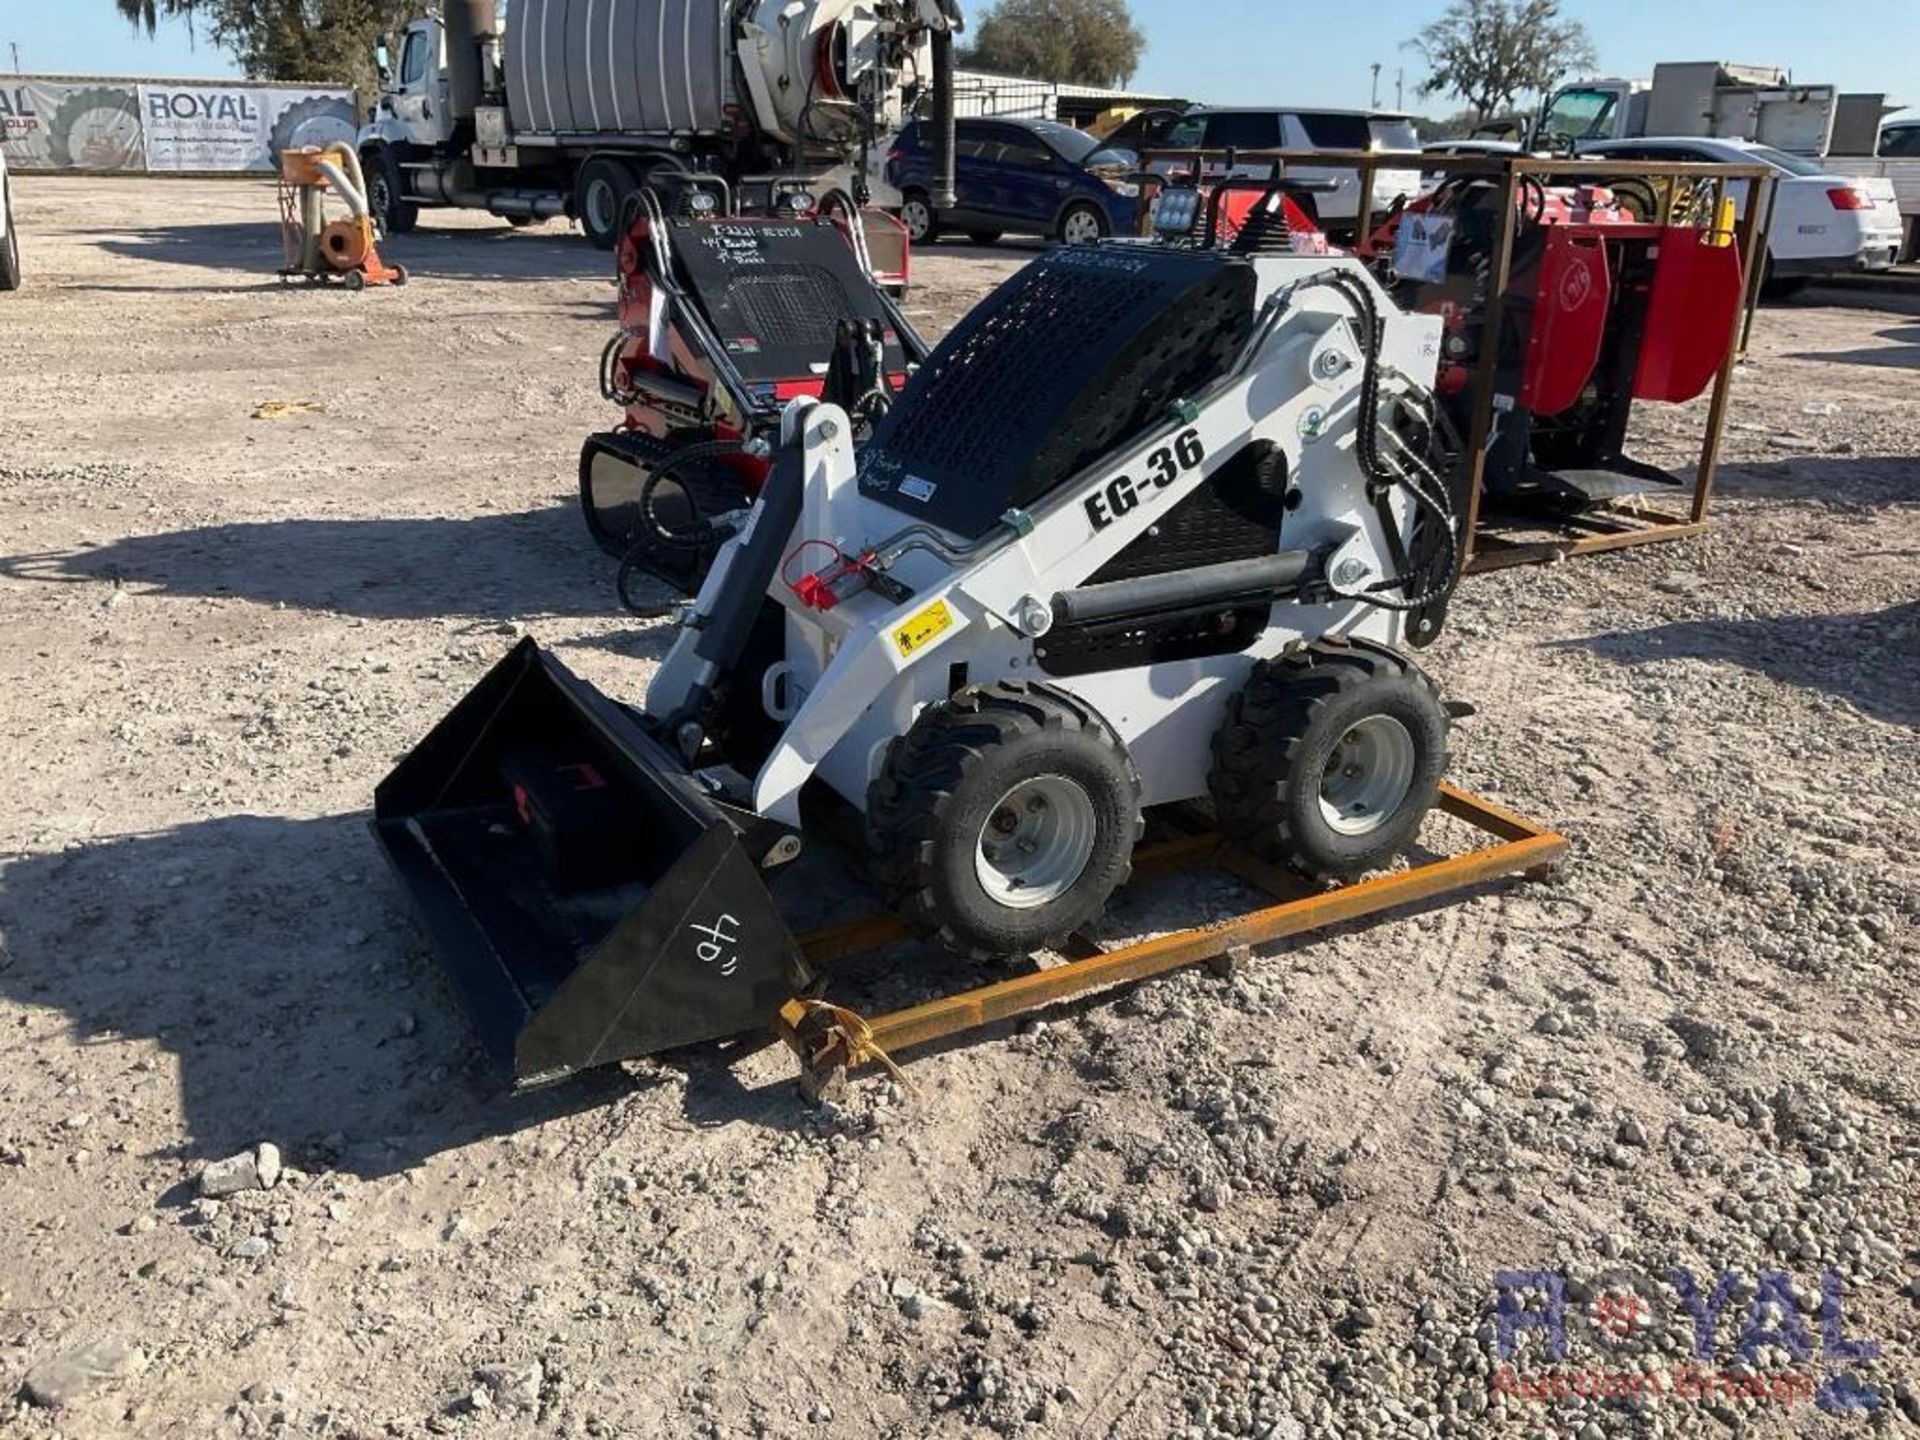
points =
(589, 897)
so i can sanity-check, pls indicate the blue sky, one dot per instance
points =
(1232, 50)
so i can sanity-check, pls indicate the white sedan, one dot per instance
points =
(9, 238)
(1823, 223)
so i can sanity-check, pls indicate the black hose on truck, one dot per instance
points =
(943, 122)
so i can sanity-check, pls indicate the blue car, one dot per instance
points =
(1025, 177)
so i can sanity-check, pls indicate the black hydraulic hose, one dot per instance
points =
(610, 388)
(1367, 447)
(654, 534)
(704, 533)
(943, 120)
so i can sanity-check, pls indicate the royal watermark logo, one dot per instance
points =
(1764, 1337)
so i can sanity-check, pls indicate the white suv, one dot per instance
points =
(1211, 129)
(9, 239)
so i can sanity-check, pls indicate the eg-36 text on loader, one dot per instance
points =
(1152, 525)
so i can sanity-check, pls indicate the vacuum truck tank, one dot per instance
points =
(551, 107)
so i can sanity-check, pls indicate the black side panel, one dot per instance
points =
(1078, 352)
(1236, 515)
(1095, 649)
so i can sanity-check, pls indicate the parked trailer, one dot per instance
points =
(568, 106)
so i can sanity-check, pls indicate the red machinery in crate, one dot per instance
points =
(726, 316)
(1605, 305)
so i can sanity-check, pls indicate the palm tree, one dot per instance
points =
(148, 12)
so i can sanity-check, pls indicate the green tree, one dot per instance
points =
(148, 13)
(1490, 52)
(288, 39)
(1079, 42)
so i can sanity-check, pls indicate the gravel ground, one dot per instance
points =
(1274, 1205)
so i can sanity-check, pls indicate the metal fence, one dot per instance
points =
(977, 93)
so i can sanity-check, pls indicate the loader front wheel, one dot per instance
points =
(1329, 759)
(1003, 820)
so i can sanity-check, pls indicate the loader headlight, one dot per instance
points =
(1177, 211)
(702, 202)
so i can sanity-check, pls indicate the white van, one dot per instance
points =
(1281, 129)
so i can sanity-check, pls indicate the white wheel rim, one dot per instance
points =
(600, 205)
(1367, 776)
(1036, 842)
(1082, 228)
(917, 218)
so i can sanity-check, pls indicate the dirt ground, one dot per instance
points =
(1273, 1205)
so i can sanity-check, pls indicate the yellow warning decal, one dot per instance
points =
(923, 629)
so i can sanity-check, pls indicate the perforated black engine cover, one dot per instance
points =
(773, 291)
(1084, 348)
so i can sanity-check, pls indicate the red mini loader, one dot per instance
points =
(725, 316)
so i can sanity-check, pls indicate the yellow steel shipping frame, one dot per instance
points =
(830, 1041)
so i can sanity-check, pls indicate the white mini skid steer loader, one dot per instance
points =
(1152, 525)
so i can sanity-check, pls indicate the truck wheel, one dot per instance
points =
(387, 190)
(1328, 760)
(1081, 224)
(9, 245)
(1003, 820)
(916, 213)
(599, 190)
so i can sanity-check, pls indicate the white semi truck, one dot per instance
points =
(541, 108)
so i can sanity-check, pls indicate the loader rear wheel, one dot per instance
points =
(1328, 760)
(1003, 820)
